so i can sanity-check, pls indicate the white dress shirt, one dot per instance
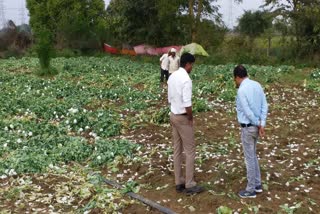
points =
(174, 63)
(165, 62)
(179, 91)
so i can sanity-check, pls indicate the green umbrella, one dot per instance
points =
(194, 49)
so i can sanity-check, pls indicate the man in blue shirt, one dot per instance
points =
(252, 110)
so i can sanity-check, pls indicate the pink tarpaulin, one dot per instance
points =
(152, 51)
(149, 50)
(140, 49)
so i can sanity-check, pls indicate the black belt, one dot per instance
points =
(181, 114)
(243, 125)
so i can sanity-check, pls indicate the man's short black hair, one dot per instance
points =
(240, 71)
(186, 58)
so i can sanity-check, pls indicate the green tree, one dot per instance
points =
(254, 24)
(161, 22)
(67, 23)
(197, 11)
(304, 16)
(78, 24)
(210, 35)
(42, 27)
(156, 22)
(173, 22)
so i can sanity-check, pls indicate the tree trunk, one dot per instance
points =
(192, 21)
(297, 26)
(269, 46)
(197, 21)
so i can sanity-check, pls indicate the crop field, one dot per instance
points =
(107, 118)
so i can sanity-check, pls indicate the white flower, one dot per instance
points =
(5, 145)
(6, 128)
(30, 134)
(99, 157)
(3, 176)
(73, 110)
(119, 175)
(19, 140)
(75, 121)
(12, 172)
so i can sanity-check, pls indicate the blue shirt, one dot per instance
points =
(252, 104)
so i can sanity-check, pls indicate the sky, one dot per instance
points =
(16, 10)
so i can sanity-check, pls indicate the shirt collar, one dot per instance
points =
(185, 71)
(244, 81)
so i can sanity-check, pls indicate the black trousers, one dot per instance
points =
(164, 73)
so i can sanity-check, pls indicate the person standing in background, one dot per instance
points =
(164, 67)
(252, 110)
(174, 61)
(181, 119)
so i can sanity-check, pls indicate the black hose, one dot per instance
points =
(142, 199)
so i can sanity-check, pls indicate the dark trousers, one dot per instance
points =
(164, 73)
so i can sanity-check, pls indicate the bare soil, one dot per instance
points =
(292, 142)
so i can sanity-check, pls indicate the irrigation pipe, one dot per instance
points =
(142, 199)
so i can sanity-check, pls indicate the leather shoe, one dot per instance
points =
(180, 187)
(194, 190)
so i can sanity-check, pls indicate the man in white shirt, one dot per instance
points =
(174, 61)
(164, 66)
(179, 97)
